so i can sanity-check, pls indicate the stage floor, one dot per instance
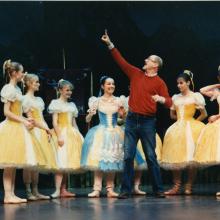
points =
(136, 208)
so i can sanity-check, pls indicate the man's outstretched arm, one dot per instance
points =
(126, 67)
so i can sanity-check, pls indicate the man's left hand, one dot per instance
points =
(158, 98)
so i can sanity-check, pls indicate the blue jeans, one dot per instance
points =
(144, 128)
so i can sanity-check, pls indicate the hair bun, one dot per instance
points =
(61, 80)
(189, 73)
(6, 65)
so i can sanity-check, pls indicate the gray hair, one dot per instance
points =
(157, 59)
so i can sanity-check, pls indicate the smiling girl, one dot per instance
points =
(69, 139)
(103, 146)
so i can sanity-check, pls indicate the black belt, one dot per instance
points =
(141, 115)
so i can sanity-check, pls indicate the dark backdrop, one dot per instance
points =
(185, 34)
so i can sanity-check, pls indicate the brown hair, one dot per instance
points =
(187, 75)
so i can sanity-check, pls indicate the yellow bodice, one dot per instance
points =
(37, 114)
(185, 112)
(16, 107)
(64, 119)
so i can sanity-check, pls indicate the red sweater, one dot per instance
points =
(142, 87)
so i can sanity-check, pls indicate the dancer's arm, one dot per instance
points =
(173, 114)
(122, 112)
(74, 123)
(203, 114)
(213, 118)
(90, 115)
(57, 129)
(37, 124)
(209, 90)
(126, 67)
(28, 123)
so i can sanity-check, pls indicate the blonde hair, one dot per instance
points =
(9, 67)
(29, 78)
(62, 83)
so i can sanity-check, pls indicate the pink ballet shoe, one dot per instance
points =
(175, 190)
(64, 193)
(111, 193)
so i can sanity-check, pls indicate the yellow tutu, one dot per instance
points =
(181, 137)
(68, 155)
(208, 147)
(47, 147)
(17, 146)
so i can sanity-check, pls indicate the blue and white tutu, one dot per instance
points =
(103, 145)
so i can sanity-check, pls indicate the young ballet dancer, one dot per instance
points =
(207, 151)
(103, 146)
(180, 138)
(68, 137)
(16, 144)
(33, 107)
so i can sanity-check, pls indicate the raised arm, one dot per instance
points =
(210, 90)
(126, 67)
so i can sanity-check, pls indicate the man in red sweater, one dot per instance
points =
(146, 89)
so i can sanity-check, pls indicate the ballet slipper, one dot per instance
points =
(137, 191)
(55, 195)
(175, 190)
(64, 193)
(41, 196)
(188, 189)
(14, 200)
(111, 193)
(94, 194)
